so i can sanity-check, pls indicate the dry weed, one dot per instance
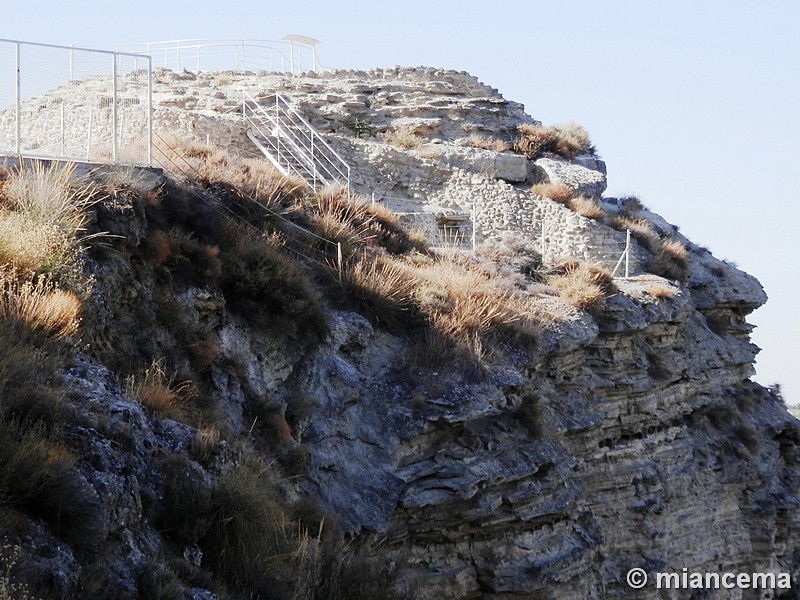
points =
(160, 393)
(485, 142)
(558, 192)
(567, 140)
(402, 137)
(660, 291)
(40, 305)
(587, 207)
(583, 285)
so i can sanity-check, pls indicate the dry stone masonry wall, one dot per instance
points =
(443, 179)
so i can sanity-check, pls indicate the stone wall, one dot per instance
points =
(443, 175)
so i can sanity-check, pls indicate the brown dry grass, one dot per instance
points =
(566, 140)
(40, 305)
(485, 142)
(587, 207)
(402, 137)
(161, 393)
(641, 229)
(43, 214)
(558, 192)
(671, 260)
(213, 166)
(660, 291)
(583, 285)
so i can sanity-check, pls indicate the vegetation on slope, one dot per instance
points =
(276, 258)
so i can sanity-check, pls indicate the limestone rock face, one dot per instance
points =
(632, 437)
(584, 180)
(556, 475)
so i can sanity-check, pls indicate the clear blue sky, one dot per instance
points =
(695, 105)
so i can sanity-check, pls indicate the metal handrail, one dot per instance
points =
(314, 154)
(187, 53)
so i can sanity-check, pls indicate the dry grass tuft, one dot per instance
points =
(49, 195)
(660, 291)
(583, 285)
(566, 140)
(587, 207)
(41, 306)
(485, 142)
(204, 442)
(641, 229)
(160, 393)
(402, 137)
(384, 290)
(671, 260)
(43, 214)
(558, 192)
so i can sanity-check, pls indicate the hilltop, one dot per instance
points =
(203, 400)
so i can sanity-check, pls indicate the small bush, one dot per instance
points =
(41, 306)
(38, 476)
(30, 364)
(402, 137)
(567, 140)
(485, 142)
(245, 522)
(558, 192)
(262, 283)
(160, 393)
(670, 260)
(582, 285)
(587, 207)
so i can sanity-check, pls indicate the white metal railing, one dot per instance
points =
(292, 144)
(292, 54)
(305, 244)
(44, 114)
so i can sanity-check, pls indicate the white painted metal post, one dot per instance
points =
(89, 135)
(149, 110)
(18, 133)
(291, 56)
(627, 253)
(339, 259)
(474, 225)
(71, 60)
(178, 47)
(542, 243)
(114, 140)
(63, 137)
(198, 58)
(313, 162)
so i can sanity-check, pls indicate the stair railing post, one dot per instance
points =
(313, 161)
(627, 252)
(18, 119)
(339, 260)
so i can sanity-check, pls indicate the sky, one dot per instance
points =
(694, 105)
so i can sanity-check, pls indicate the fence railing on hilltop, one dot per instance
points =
(291, 54)
(44, 114)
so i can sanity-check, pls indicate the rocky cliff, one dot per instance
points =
(500, 461)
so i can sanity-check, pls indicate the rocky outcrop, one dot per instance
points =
(629, 437)
(600, 452)
(584, 180)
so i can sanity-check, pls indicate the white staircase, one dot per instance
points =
(291, 144)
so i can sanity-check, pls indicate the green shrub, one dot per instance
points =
(261, 282)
